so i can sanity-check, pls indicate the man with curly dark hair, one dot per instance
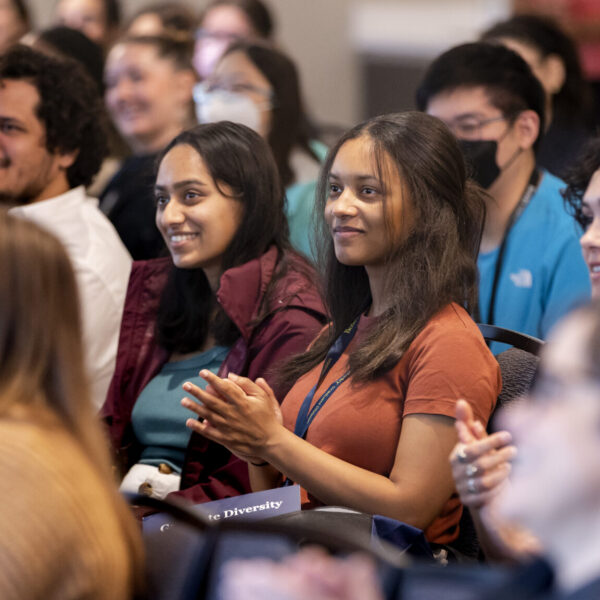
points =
(582, 195)
(52, 143)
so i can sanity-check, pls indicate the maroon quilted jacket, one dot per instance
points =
(294, 318)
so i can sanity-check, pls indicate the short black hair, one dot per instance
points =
(578, 178)
(70, 107)
(506, 77)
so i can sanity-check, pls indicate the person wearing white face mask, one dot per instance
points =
(215, 103)
(258, 86)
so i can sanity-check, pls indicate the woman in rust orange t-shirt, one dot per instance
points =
(369, 422)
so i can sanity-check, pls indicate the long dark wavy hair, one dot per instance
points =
(239, 158)
(432, 265)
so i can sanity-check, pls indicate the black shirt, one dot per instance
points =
(128, 201)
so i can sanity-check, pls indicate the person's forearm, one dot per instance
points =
(264, 477)
(336, 482)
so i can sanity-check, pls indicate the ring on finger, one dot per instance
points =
(471, 470)
(461, 454)
(471, 486)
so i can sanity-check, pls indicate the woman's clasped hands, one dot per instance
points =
(236, 412)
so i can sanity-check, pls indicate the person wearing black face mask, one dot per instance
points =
(530, 264)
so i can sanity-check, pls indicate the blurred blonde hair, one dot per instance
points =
(42, 373)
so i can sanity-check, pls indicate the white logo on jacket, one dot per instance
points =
(522, 278)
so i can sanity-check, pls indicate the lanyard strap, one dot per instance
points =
(306, 415)
(534, 181)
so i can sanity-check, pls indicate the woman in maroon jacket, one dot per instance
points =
(233, 297)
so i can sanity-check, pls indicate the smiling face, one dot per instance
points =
(28, 171)
(197, 218)
(362, 211)
(590, 240)
(147, 96)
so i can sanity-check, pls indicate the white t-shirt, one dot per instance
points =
(102, 266)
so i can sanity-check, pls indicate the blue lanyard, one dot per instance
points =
(306, 415)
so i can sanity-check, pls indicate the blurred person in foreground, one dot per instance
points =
(65, 534)
(310, 573)
(550, 506)
(52, 143)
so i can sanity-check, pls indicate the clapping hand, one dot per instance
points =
(480, 462)
(242, 415)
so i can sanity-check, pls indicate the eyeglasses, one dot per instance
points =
(203, 34)
(212, 85)
(469, 127)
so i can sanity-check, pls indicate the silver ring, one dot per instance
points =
(471, 487)
(462, 455)
(471, 470)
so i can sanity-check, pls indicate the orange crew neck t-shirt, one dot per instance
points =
(361, 423)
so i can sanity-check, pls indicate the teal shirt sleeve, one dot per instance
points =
(158, 419)
(300, 207)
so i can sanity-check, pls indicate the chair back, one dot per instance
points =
(516, 339)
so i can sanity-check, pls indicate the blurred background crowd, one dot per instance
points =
(217, 207)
